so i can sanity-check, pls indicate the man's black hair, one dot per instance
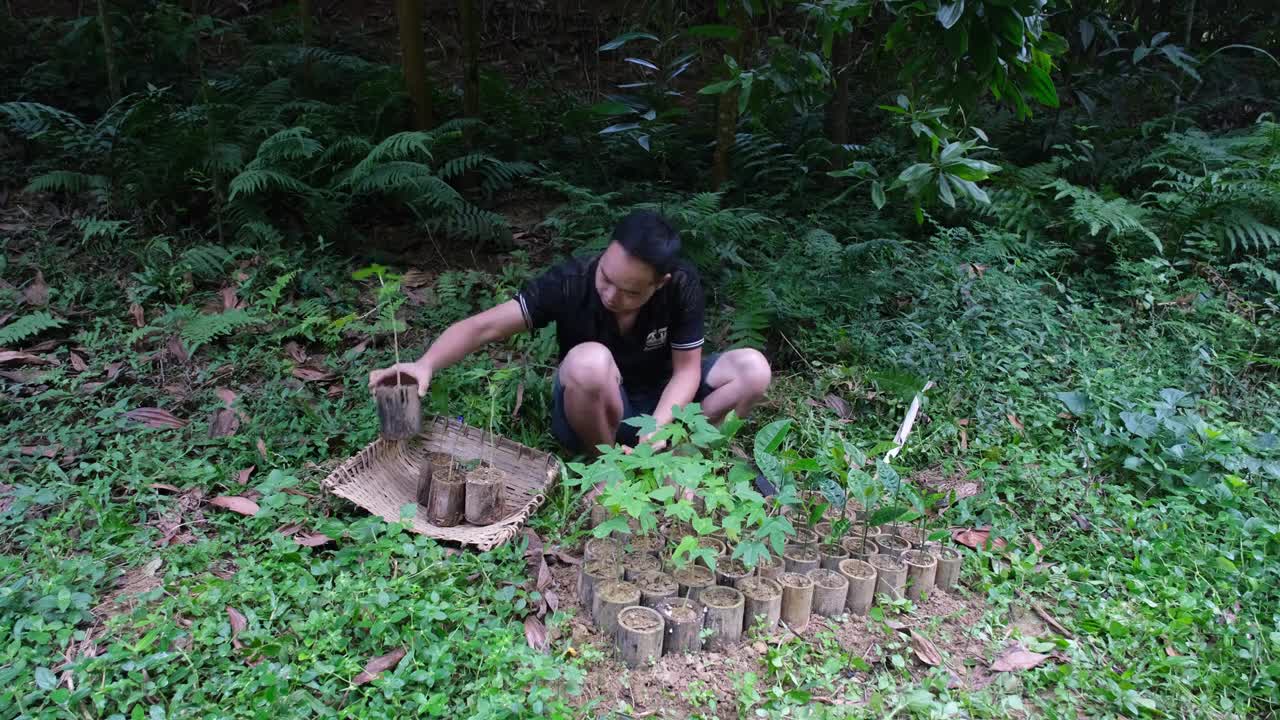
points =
(647, 236)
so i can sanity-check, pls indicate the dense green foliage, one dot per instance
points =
(1070, 224)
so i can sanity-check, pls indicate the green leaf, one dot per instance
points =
(877, 194)
(45, 679)
(950, 13)
(611, 107)
(718, 87)
(662, 494)
(1009, 24)
(771, 436)
(750, 552)
(703, 526)
(887, 514)
(687, 545)
(714, 32)
(858, 169)
(970, 169)
(1076, 402)
(916, 176)
(969, 189)
(1041, 86)
(1140, 424)
(620, 127)
(625, 38)
(612, 525)
(944, 191)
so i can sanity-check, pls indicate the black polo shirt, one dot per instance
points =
(671, 320)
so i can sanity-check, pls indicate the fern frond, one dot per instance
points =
(67, 181)
(1242, 230)
(1260, 272)
(206, 262)
(400, 146)
(33, 120)
(207, 327)
(271, 296)
(93, 227)
(256, 180)
(293, 143)
(28, 326)
(261, 231)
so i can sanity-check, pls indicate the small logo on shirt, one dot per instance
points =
(656, 339)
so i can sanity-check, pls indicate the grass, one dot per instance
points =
(1164, 578)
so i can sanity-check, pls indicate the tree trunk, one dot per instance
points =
(837, 116)
(108, 51)
(305, 13)
(414, 61)
(1191, 16)
(470, 57)
(727, 111)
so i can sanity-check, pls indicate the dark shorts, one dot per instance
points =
(635, 402)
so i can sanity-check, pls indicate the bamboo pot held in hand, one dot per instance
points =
(399, 407)
(640, 635)
(797, 600)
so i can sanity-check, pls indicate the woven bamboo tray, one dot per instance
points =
(383, 477)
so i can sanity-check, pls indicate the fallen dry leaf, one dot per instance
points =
(925, 650)
(333, 391)
(223, 423)
(235, 503)
(37, 293)
(18, 357)
(1168, 650)
(312, 375)
(78, 363)
(226, 396)
(840, 406)
(229, 299)
(964, 490)
(379, 665)
(43, 450)
(1013, 420)
(515, 411)
(164, 486)
(414, 278)
(294, 351)
(1016, 658)
(544, 575)
(312, 539)
(976, 537)
(565, 557)
(177, 351)
(1082, 522)
(243, 476)
(535, 633)
(1035, 542)
(113, 370)
(156, 418)
(552, 600)
(135, 312)
(262, 449)
(238, 624)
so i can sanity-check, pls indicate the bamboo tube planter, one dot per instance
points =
(862, 584)
(601, 548)
(447, 499)
(921, 571)
(731, 573)
(763, 599)
(682, 619)
(830, 556)
(797, 600)
(830, 592)
(724, 611)
(948, 575)
(891, 575)
(593, 574)
(483, 495)
(609, 599)
(640, 635)
(892, 545)
(800, 558)
(692, 580)
(635, 564)
(859, 549)
(655, 586)
(399, 408)
(770, 567)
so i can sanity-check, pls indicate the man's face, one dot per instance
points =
(623, 282)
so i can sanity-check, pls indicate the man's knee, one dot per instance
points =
(589, 366)
(753, 371)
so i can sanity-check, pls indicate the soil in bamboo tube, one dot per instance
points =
(609, 599)
(655, 586)
(693, 579)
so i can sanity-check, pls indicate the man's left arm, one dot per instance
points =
(686, 376)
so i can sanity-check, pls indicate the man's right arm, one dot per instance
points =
(459, 340)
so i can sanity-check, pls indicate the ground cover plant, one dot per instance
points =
(1053, 225)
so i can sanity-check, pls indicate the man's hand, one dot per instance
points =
(419, 371)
